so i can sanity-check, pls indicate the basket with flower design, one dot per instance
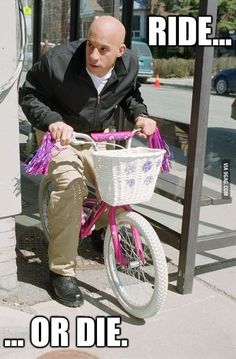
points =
(127, 176)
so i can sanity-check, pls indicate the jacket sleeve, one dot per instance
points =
(36, 96)
(133, 104)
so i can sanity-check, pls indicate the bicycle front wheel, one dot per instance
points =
(141, 285)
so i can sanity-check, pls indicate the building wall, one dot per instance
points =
(56, 17)
(10, 196)
(55, 26)
(10, 203)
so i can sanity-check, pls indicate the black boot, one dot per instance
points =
(65, 290)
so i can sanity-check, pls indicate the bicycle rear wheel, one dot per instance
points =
(140, 287)
(45, 189)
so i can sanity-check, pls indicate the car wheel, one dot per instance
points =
(221, 86)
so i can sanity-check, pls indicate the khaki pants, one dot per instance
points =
(68, 171)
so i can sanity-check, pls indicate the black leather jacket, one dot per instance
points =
(58, 88)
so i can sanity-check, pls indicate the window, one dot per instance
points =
(136, 26)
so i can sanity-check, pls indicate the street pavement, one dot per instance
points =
(200, 325)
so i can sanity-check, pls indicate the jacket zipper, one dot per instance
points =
(96, 112)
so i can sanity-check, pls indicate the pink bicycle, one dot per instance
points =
(133, 255)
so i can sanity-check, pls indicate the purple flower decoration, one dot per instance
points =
(130, 169)
(130, 182)
(147, 166)
(148, 180)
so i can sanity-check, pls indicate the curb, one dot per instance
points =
(167, 82)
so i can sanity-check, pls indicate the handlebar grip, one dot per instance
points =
(111, 136)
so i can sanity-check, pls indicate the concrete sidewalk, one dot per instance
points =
(200, 325)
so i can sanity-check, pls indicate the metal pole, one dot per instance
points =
(116, 8)
(74, 19)
(37, 28)
(196, 156)
(127, 16)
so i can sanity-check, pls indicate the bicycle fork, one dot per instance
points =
(120, 259)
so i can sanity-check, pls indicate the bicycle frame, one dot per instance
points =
(97, 209)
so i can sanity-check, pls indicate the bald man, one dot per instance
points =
(76, 88)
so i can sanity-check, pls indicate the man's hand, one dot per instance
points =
(61, 131)
(147, 124)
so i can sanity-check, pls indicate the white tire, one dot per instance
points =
(140, 288)
(45, 189)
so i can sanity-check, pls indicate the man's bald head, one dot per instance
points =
(110, 26)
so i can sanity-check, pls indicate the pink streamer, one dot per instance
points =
(156, 141)
(41, 159)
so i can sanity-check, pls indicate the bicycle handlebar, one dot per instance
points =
(112, 136)
(105, 137)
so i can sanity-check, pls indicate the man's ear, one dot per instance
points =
(121, 50)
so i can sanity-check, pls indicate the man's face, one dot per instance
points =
(102, 51)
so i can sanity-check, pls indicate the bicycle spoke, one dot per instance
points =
(134, 278)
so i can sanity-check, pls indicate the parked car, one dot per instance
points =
(145, 59)
(224, 81)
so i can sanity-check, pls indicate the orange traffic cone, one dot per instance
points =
(157, 83)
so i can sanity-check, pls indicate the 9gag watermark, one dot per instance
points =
(225, 175)
(55, 332)
(183, 31)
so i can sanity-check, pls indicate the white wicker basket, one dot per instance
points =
(127, 176)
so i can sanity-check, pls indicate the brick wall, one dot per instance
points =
(56, 21)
